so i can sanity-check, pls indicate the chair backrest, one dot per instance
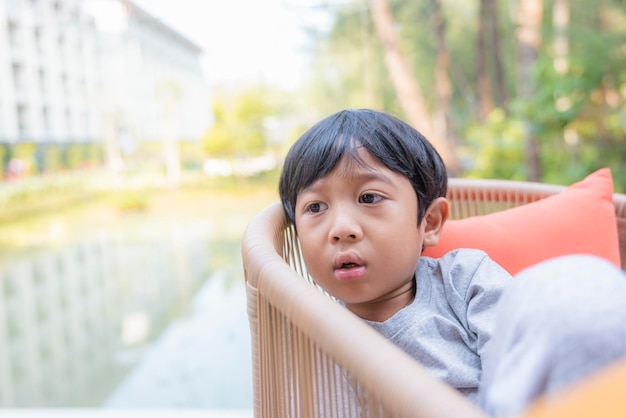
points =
(471, 197)
(312, 357)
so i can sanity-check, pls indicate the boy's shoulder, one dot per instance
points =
(461, 256)
(464, 266)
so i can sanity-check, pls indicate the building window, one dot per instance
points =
(45, 118)
(42, 80)
(68, 122)
(22, 121)
(13, 34)
(18, 77)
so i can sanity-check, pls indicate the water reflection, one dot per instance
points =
(79, 323)
(202, 361)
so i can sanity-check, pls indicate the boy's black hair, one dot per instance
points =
(393, 142)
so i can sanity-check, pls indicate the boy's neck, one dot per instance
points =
(382, 309)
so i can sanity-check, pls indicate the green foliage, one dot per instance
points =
(415, 26)
(29, 196)
(50, 157)
(238, 130)
(496, 148)
(25, 151)
(348, 65)
(578, 118)
(191, 155)
(53, 157)
(4, 152)
(74, 156)
(131, 201)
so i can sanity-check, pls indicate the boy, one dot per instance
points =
(366, 193)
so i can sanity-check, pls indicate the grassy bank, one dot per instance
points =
(43, 216)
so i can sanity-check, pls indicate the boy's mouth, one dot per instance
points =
(348, 266)
(347, 260)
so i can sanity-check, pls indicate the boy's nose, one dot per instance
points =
(344, 227)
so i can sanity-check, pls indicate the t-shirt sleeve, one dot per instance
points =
(483, 293)
(475, 284)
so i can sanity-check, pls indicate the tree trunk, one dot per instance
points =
(485, 101)
(529, 38)
(560, 23)
(501, 97)
(169, 92)
(406, 87)
(443, 86)
(560, 44)
(489, 60)
(366, 46)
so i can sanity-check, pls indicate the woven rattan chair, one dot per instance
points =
(308, 352)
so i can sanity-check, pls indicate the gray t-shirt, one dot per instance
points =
(446, 326)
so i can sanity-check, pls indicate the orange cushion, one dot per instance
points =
(580, 219)
(599, 395)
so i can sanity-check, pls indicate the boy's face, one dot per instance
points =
(359, 236)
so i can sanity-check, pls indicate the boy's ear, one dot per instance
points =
(434, 219)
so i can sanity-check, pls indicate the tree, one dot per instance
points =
(443, 86)
(560, 23)
(554, 77)
(347, 64)
(501, 94)
(485, 92)
(529, 17)
(238, 130)
(408, 90)
(489, 61)
(170, 92)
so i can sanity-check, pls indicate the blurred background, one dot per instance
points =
(138, 138)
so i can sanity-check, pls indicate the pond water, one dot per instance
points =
(151, 316)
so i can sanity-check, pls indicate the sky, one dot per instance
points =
(245, 41)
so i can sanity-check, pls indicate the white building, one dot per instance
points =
(48, 52)
(101, 71)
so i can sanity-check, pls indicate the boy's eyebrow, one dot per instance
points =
(371, 175)
(362, 175)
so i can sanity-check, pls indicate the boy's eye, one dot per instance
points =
(315, 207)
(369, 198)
